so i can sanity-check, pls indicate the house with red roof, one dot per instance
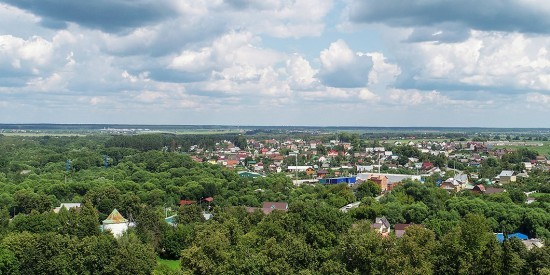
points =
(427, 165)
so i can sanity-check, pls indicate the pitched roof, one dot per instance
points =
(186, 202)
(402, 226)
(383, 221)
(506, 173)
(275, 205)
(115, 217)
(480, 188)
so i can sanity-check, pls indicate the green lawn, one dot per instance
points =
(542, 150)
(172, 264)
(540, 195)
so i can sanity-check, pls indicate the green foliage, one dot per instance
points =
(361, 250)
(132, 257)
(367, 189)
(8, 263)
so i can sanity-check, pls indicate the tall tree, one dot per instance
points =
(189, 214)
(132, 257)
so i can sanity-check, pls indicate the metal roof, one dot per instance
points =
(115, 217)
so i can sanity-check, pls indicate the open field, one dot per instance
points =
(542, 150)
(172, 264)
(206, 132)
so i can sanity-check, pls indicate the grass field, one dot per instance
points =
(540, 195)
(542, 150)
(206, 132)
(172, 264)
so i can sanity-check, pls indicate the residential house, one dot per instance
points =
(493, 190)
(532, 243)
(259, 167)
(364, 168)
(292, 168)
(456, 184)
(400, 228)
(66, 205)
(186, 202)
(321, 173)
(427, 165)
(246, 174)
(380, 180)
(480, 189)
(506, 176)
(451, 184)
(382, 226)
(541, 159)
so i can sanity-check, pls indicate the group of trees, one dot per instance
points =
(313, 238)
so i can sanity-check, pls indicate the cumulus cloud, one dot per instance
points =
(416, 97)
(488, 15)
(341, 67)
(22, 59)
(281, 18)
(301, 74)
(487, 60)
(234, 48)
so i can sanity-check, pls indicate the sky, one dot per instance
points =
(388, 63)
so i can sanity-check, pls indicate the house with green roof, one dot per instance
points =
(116, 224)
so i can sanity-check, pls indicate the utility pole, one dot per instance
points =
(378, 162)
(296, 167)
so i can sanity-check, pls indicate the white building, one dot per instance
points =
(67, 206)
(292, 168)
(116, 224)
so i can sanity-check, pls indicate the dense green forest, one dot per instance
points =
(145, 175)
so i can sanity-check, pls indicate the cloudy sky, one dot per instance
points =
(276, 62)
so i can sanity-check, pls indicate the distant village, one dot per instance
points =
(335, 162)
(309, 162)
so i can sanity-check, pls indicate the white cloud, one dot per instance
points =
(538, 99)
(301, 74)
(234, 48)
(382, 72)
(150, 96)
(19, 53)
(506, 61)
(416, 97)
(283, 18)
(341, 67)
(365, 94)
